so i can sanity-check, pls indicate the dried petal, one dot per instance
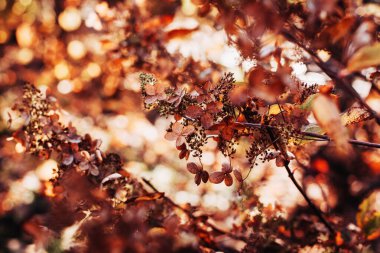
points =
(67, 159)
(228, 180)
(238, 176)
(180, 141)
(94, 170)
(150, 99)
(84, 165)
(184, 154)
(160, 88)
(207, 120)
(205, 176)
(112, 176)
(272, 155)
(74, 138)
(197, 179)
(280, 161)
(217, 177)
(215, 107)
(193, 168)
(150, 90)
(171, 136)
(177, 128)
(98, 154)
(187, 130)
(226, 168)
(85, 154)
(193, 111)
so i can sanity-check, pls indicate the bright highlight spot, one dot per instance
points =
(65, 87)
(70, 19)
(61, 70)
(76, 49)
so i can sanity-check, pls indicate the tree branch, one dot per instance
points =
(340, 81)
(316, 210)
(192, 216)
(319, 136)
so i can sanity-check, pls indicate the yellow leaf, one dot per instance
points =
(355, 114)
(327, 114)
(363, 58)
(368, 217)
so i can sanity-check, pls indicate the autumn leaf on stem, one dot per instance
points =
(155, 93)
(200, 174)
(179, 132)
(225, 175)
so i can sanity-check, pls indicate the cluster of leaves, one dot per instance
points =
(265, 116)
(92, 192)
(109, 208)
(211, 111)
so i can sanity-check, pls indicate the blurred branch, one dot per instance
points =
(316, 210)
(314, 135)
(193, 217)
(341, 81)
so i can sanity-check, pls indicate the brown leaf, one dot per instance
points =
(365, 57)
(228, 180)
(217, 177)
(177, 128)
(187, 130)
(207, 120)
(150, 196)
(171, 136)
(354, 115)
(327, 114)
(214, 107)
(180, 33)
(335, 32)
(194, 111)
(197, 179)
(226, 168)
(193, 168)
(238, 175)
(205, 176)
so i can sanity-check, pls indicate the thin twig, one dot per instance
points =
(354, 142)
(341, 81)
(315, 135)
(192, 216)
(298, 186)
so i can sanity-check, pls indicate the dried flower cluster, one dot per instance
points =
(292, 128)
